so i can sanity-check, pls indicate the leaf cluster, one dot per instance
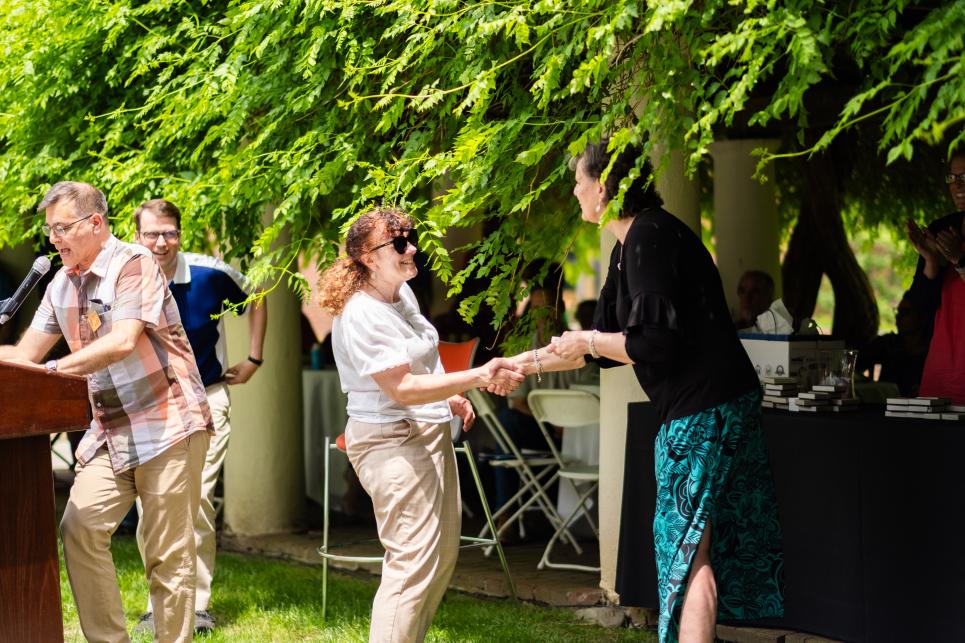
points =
(272, 123)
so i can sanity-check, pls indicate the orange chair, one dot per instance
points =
(455, 356)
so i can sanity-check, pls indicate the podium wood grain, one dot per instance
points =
(34, 404)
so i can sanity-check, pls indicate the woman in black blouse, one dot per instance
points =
(662, 309)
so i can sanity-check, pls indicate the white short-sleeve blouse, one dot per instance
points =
(371, 336)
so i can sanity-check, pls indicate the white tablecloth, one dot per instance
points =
(323, 415)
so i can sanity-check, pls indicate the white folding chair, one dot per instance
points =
(570, 410)
(536, 471)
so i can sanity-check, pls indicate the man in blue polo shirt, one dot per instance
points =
(200, 285)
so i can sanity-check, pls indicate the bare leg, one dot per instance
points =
(698, 617)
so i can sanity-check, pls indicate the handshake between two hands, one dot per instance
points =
(504, 374)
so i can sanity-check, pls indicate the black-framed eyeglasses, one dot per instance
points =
(401, 242)
(169, 235)
(951, 177)
(61, 228)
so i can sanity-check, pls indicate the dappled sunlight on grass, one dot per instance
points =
(260, 600)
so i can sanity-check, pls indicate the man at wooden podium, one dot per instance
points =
(151, 423)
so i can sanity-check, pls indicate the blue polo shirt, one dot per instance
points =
(200, 287)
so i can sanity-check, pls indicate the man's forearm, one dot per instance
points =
(100, 353)
(258, 325)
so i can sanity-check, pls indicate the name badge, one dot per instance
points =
(93, 320)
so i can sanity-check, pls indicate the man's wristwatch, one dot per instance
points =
(51, 366)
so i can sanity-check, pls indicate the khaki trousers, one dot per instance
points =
(205, 536)
(169, 486)
(409, 470)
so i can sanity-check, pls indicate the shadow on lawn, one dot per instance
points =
(257, 599)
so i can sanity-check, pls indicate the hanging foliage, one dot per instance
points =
(462, 112)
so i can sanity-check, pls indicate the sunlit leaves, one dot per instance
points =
(463, 112)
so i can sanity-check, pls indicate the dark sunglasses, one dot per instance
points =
(401, 242)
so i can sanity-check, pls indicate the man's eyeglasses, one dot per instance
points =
(60, 229)
(951, 177)
(401, 242)
(169, 235)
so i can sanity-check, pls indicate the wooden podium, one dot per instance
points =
(35, 404)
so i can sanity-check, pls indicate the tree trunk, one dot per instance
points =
(819, 246)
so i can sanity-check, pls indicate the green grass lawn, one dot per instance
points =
(258, 599)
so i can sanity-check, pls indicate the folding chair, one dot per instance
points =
(569, 409)
(58, 455)
(537, 471)
(454, 357)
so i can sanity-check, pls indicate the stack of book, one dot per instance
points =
(923, 408)
(824, 398)
(778, 392)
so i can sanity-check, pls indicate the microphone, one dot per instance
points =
(9, 306)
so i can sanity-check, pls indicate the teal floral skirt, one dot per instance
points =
(712, 467)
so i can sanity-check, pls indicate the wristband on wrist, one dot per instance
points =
(256, 361)
(593, 352)
(539, 365)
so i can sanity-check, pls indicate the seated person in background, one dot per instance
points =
(900, 354)
(939, 288)
(755, 291)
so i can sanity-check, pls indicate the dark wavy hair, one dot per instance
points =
(348, 274)
(641, 195)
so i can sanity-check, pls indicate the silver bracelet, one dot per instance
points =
(539, 365)
(593, 352)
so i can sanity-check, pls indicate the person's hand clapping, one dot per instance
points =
(949, 244)
(502, 376)
(572, 345)
(923, 240)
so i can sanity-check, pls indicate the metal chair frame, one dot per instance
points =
(532, 490)
(569, 409)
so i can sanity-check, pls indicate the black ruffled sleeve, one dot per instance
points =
(605, 318)
(650, 262)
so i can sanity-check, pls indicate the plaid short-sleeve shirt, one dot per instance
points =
(151, 399)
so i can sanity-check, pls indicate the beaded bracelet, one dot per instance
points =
(539, 365)
(593, 352)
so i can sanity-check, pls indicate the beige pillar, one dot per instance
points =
(745, 214)
(619, 386)
(681, 193)
(264, 471)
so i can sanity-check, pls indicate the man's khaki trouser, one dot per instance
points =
(205, 536)
(409, 470)
(169, 486)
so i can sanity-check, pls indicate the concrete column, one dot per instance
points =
(745, 214)
(264, 478)
(681, 193)
(619, 386)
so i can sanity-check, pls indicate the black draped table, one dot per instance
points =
(871, 511)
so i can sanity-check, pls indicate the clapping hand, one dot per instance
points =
(503, 376)
(949, 244)
(924, 241)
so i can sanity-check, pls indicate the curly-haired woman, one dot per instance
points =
(400, 404)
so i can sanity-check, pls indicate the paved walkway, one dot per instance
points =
(475, 573)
